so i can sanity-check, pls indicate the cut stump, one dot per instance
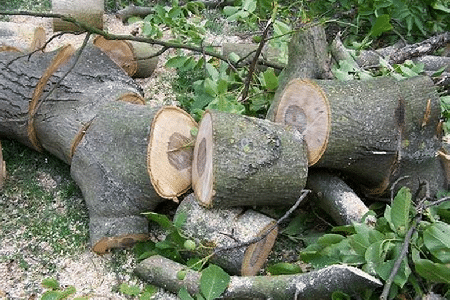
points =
(134, 57)
(239, 160)
(371, 129)
(170, 151)
(110, 167)
(218, 228)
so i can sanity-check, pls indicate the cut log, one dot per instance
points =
(365, 128)
(317, 285)
(89, 12)
(134, 57)
(219, 228)
(2, 168)
(239, 160)
(335, 197)
(308, 58)
(110, 167)
(246, 52)
(58, 121)
(23, 37)
(170, 150)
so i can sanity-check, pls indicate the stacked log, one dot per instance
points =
(89, 12)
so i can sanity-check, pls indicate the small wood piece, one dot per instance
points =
(39, 39)
(2, 168)
(110, 167)
(365, 128)
(317, 285)
(89, 12)
(229, 227)
(335, 197)
(239, 160)
(131, 56)
(170, 150)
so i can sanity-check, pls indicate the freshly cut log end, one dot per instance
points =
(131, 56)
(170, 151)
(304, 106)
(245, 161)
(227, 228)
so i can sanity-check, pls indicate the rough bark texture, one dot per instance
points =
(89, 12)
(239, 160)
(372, 126)
(335, 197)
(308, 58)
(229, 227)
(110, 167)
(313, 285)
(94, 81)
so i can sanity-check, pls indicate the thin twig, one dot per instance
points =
(442, 200)
(263, 236)
(251, 70)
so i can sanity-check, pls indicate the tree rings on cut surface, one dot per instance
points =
(227, 228)
(240, 160)
(131, 56)
(304, 106)
(170, 151)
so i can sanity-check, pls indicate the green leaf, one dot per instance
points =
(133, 19)
(384, 270)
(50, 283)
(230, 10)
(183, 294)
(284, 268)
(340, 296)
(222, 86)
(400, 211)
(382, 24)
(51, 295)
(162, 220)
(212, 71)
(180, 219)
(213, 282)
(176, 62)
(130, 290)
(437, 239)
(271, 79)
(434, 272)
(210, 87)
(439, 6)
(148, 292)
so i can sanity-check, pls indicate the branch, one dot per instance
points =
(255, 60)
(109, 36)
(263, 236)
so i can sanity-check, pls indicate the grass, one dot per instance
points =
(41, 206)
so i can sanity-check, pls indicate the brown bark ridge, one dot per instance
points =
(316, 285)
(366, 128)
(308, 58)
(89, 12)
(239, 160)
(134, 57)
(110, 167)
(228, 227)
(56, 123)
(170, 150)
(335, 197)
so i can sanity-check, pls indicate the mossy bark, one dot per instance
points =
(239, 160)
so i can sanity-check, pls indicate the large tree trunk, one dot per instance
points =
(239, 160)
(96, 121)
(376, 130)
(226, 228)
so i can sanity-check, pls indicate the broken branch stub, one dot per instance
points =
(239, 160)
(365, 128)
(228, 227)
(315, 285)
